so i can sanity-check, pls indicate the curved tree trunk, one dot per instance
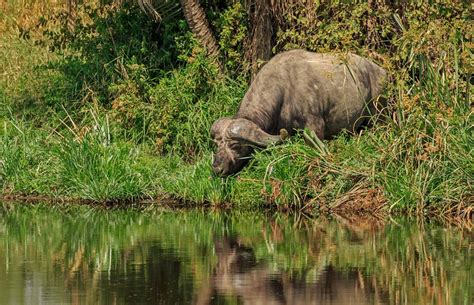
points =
(197, 21)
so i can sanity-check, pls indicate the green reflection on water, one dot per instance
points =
(79, 255)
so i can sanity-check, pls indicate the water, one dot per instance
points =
(78, 255)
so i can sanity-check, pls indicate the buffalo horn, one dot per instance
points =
(220, 125)
(247, 131)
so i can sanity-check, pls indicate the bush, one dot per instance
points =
(187, 102)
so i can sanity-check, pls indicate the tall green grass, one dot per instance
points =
(25, 162)
(78, 164)
(93, 167)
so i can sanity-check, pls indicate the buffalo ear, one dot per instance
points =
(220, 126)
(243, 130)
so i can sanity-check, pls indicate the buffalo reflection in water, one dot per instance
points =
(238, 274)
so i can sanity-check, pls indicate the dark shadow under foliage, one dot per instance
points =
(106, 41)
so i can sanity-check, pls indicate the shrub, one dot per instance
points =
(187, 102)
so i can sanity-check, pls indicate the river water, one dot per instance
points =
(79, 255)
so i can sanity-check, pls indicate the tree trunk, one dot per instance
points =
(259, 42)
(197, 21)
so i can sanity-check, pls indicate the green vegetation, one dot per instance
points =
(116, 109)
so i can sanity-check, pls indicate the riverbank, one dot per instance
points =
(292, 176)
(108, 119)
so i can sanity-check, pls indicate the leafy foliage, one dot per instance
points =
(232, 28)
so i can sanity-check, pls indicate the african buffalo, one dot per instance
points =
(297, 89)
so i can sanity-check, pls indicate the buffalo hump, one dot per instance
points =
(324, 92)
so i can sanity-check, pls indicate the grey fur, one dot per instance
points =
(295, 90)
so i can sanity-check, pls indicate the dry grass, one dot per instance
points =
(362, 198)
(17, 15)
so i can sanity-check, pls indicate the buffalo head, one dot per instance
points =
(235, 139)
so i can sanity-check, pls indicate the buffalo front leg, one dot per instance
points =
(318, 126)
(317, 131)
